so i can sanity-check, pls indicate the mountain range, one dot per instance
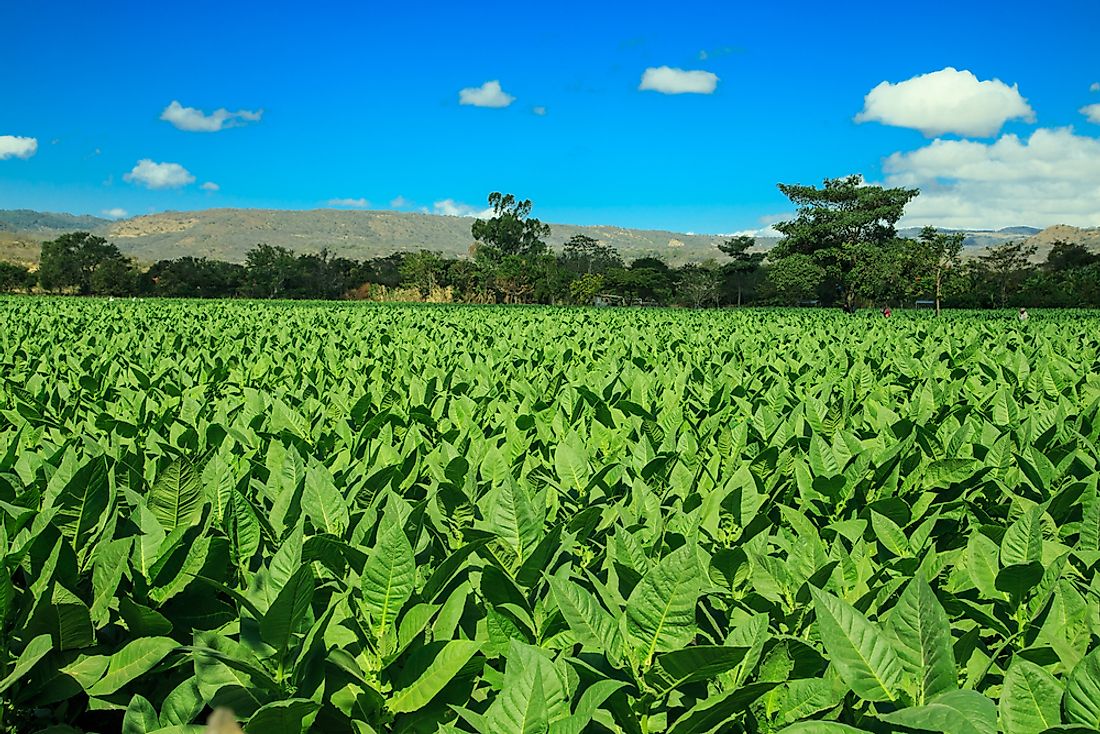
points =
(228, 234)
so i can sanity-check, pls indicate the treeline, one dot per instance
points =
(842, 248)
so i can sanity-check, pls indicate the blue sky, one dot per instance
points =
(361, 104)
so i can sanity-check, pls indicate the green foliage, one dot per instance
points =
(845, 227)
(356, 517)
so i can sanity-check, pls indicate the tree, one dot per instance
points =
(701, 283)
(511, 230)
(513, 278)
(1065, 256)
(744, 263)
(422, 270)
(13, 277)
(647, 279)
(1005, 267)
(269, 270)
(585, 288)
(796, 277)
(70, 260)
(938, 255)
(837, 225)
(112, 277)
(584, 254)
(191, 277)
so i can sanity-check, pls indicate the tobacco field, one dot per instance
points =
(381, 518)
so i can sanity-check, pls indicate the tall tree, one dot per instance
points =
(422, 270)
(938, 255)
(1005, 267)
(743, 263)
(837, 223)
(70, 260)
(14, 277)
(1066, 256)
(796, 277)
(701, 283)
(584, 254)
(511, 230)
(270, 269)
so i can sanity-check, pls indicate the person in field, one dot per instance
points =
(886, 312)
(1023, 314)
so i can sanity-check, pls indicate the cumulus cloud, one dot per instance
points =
(1092, 112)
(1051, 177)
(115, 213)
(667, 80)
(488, 94)
(452, 208)
(13, 146)
(210, 186)
(159, 175)
(539, 110)
(352, 203)
(196, 121)
(399, 201)
(1095, 87)
(946, 101)
(767, 226)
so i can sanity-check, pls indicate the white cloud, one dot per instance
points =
(159, 175)
(196, 121)
(667, 80)
(353, 203)
(1092, 112)
(767, 228)
(539, 110)
(398, 202)
(946, 101)
(1051, 177)
(13, 146)
(452, 208)
(1095, 87)
(488, 94)
(115, 213)
(210, 186)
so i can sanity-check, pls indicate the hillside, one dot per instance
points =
(228, 234)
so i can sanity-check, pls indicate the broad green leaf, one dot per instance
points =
(176, 496)
(571, 462)
(719, 709)
(920, 625)
(533, 695)
(1082, 701)
(388, 575)
(35, 650)
(82, 502)
(136, 658)
(289, 612)
(291, 716)
(820, 727)
(1023, 541)
(660, 613)
(860, 651)
(140, 717)
(695, 663)
(954, 712)
(447, 662)
(322, 502)
(981, 562)
(1030, 699)
(591, 624)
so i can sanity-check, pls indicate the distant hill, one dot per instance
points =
(228, 234)
(27, 221)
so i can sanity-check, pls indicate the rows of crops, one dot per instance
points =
(420, 519)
